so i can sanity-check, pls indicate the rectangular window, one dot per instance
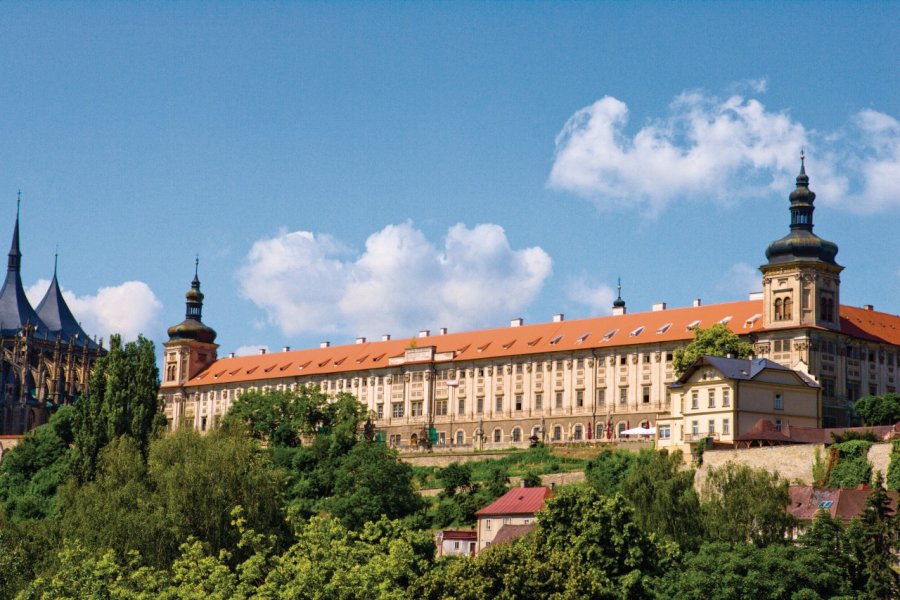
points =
(558, 399)
(487, 525)
(646, 359)
(695, 429)
(519, 368)
(665, 432)
(601, 397)
(379, 410)
(579, 398)
(461, 406)
(726, 426)
(442, 438)
(711, 397)
(518, 401)
(623, 360)
(777, 424)
(498, 404)
(415, 408)
(623, 395)
(397, 410)
(726, 397)
(440, 408)
(480, 405)
(779, 403)
(538, 401)
(712, 426)
(695, 400)
(645, 394)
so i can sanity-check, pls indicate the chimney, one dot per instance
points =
(386, 337)
(697, 302)
(552, 486)
(523, 483)
(659, 306)
(262, 350)
(516, 322)
(559, 318)
(443, 331)
(360, 340)
(231, 355)
(286, 349)
(755, 296)
(868, 307)
(325, 344)
(424, 333)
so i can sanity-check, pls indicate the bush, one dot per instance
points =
(852, 467)
(893, 474)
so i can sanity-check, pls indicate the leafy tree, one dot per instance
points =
(662, 492)
(825, 535)
(852, 466)
(878, 544)
(879, 410)
(723, 571)
(372, 482)
(741, 504)
(716, 340)
(32, 471)
(606, 472)
(121, 400)
(456, 477)
(531, 479)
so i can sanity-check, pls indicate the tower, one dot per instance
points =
(191, 346)
(801, 280)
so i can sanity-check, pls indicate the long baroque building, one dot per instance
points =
(561, 381)
(46, 356)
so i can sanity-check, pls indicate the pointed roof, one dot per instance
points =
(15, 309)
(55, 314)
(193, 328)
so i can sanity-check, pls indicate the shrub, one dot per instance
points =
(853, 466)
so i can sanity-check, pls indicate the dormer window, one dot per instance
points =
(637, 331)
(556, 340)
(692, 324)
(752, 320)
(609, 335)
(725, 320)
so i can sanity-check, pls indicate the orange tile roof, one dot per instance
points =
(670, 325)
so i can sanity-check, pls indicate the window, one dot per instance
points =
(645, 394)
(557, 433)
(579, 363)
(777, 424)
(415, 408)
(558, 399)
(646, 359)
(579, 398)
(487, 525)
(456, 545)
(712, 426)
(460, 437)
(498, 436)
(379, 410)
(461, 406)
(623, 395)
(695, 400)
(578, 433)
(711, 393)
(665, 432)
(726, 426)
(623, 360)
(440, 407)
(498, 404)
(202, 423)
(519, 368)
(480, 404)
(695, 428)
(442, 439)
(397, 410)
(726, 397)
(601, 397)
(517, 435)
(518, 401)
(668, 357)
(600, 431)
(538, 401)
(779, 403)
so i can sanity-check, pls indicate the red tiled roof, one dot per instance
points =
(517, 501)
(843, 503)
(764, 430)
(458, 534)
(509, 533)
(670, 325)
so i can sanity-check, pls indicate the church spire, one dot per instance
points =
(192, 327)
(15, 256)
(618, 306)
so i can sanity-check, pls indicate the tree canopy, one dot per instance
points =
(716, 340)
(879, 410)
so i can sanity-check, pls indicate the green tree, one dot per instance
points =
(879, 410)
(606, 472)
(825, 535)
(456, 477)
(852, 467)
(741, 504)
(32, 471)
(121, 400)
(662, 492)
(716, 340)
(878, 544)
(893, 474)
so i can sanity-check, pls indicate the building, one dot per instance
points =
(456, 542)
(46, 355)
(564, 380)
(510, 514)
(721, 399)
(841, 503)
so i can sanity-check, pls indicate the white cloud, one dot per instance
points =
(250, 349)
(400, 283)
(707, 148)
(598, 298)
(130, 308)
(739, 280)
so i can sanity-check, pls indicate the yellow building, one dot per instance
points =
(562, 380)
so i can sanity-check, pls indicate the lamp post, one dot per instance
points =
(452, 384)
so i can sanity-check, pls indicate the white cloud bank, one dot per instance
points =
(130, 308)
(739, 280)
(400, 283)
(710, 148)
(598, 298)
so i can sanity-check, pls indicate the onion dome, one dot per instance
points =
(801, 243)
(192, 328)
(618, 302)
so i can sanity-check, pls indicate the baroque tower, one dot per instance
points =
(191, 346)
(801, 280)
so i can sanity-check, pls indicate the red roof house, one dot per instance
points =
(518, 506)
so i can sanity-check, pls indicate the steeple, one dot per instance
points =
(15, 309)
(192, 328)
(618, 306)
(57, 316)
(15, 256)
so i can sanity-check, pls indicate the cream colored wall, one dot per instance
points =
(486, 536)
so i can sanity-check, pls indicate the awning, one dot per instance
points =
(639, 431)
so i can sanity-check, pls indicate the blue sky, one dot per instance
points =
(367, 168)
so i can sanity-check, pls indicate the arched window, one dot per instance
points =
(788, 309)
(460, 437)
(778, 310)
(623, 426)
(578, 433)
(517, 435)
(498, 435)
(557, 433)
(413, 440)
(536, 432)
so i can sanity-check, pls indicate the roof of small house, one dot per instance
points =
(509, 533)
(517, 501)
(842, 503)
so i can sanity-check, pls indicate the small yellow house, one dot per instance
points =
(721, 398)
